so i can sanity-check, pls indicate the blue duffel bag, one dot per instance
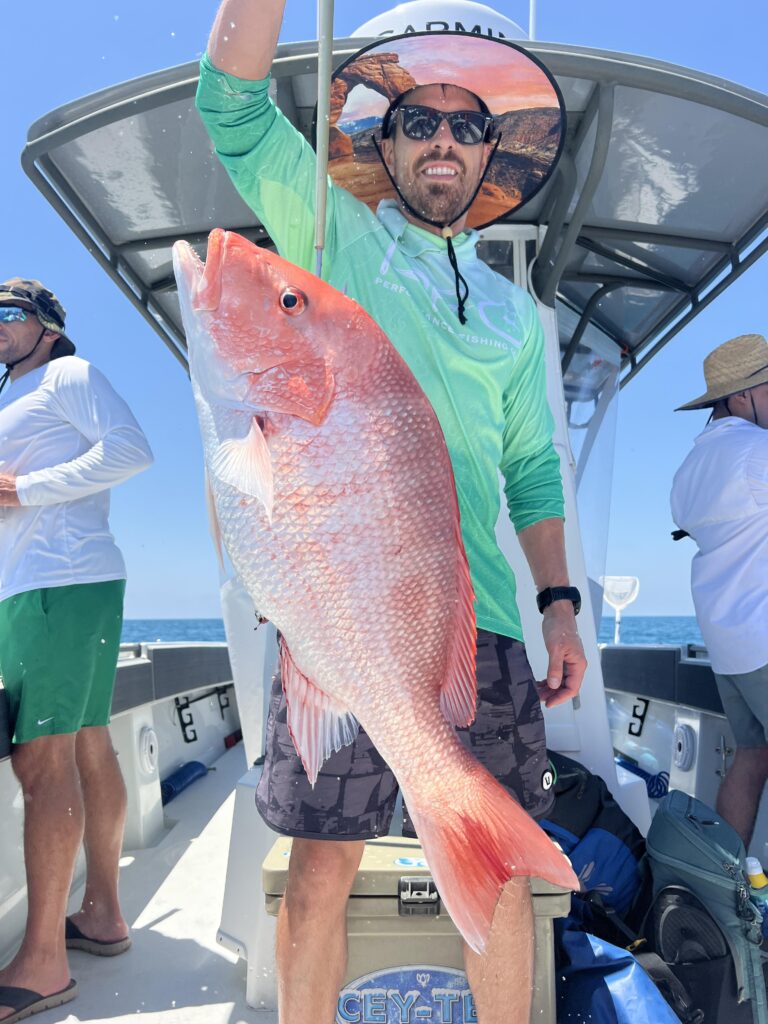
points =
(600, 983)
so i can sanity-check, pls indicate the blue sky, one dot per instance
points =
(65, 51)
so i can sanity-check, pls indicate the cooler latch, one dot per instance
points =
(417, 895)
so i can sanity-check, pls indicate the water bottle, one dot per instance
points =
(758, 889)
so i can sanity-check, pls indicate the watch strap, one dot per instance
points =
(550, 594)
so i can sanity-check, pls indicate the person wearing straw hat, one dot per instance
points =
(67, 438)
(418, 159)
(720, 498)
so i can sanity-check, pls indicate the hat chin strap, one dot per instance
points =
(9, 367)
(754, 410)
(462, 288)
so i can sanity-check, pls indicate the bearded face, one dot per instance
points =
(437, 176)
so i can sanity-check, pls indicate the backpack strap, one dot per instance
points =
(600, 909)
(670, 986)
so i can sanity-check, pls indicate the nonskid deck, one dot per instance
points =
(175, 972)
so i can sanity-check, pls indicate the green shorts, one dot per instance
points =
(745, 703)
(58, 655)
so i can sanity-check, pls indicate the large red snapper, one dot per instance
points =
(335, 500)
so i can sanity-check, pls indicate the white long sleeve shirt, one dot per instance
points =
(68, 438)
(720, 496)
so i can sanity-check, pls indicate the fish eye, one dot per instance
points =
(293, 301)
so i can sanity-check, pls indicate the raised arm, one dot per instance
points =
(271, 164)
(244, 37)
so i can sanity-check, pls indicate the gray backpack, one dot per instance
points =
(689, 845)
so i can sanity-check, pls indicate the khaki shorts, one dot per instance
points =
(355, 793)
(58, 655)
(745, 703)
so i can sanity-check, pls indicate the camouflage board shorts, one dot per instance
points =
(355, 793)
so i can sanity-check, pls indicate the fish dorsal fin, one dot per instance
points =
(246, 464)
(458, 697)
(318, 724)
(297, 387)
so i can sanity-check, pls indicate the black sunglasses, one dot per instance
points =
(468, 127)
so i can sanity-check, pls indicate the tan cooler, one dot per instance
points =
(405, 955)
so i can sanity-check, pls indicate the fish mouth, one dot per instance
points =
(200, 291)
(200, 283)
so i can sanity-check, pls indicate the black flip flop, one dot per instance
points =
(76, 940)
(26, 1002)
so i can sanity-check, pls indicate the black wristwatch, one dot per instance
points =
(546, 597)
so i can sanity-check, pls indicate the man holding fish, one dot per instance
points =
(474, 343)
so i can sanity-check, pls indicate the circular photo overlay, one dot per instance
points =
(522, 96)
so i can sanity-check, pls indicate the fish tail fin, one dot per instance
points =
(474, 848)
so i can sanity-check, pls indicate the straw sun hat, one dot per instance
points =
(736, 365)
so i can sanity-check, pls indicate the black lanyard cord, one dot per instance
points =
(12, 366)
(462, 288)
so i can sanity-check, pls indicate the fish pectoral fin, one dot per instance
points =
(247, 465)
(318, 724)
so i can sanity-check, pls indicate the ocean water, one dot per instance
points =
(635, 629)
(652, 629)
(171, 630)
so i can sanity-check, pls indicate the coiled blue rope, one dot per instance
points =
(657, 785)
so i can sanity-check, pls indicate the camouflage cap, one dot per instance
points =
(33, 295)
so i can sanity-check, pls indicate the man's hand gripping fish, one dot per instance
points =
(335, 500)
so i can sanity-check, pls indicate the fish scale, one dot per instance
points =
(335, 500)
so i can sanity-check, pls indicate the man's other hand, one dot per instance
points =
(8, 496)
(567, 663)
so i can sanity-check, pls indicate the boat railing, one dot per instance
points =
(129, 651)
(678, 674)
(698, 651)
(151, 672)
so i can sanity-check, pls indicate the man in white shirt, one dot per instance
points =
(66, 438)
(720, 498)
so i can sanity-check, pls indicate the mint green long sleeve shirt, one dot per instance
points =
(485, 379)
